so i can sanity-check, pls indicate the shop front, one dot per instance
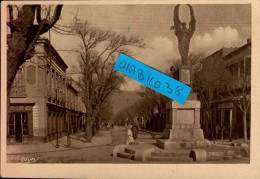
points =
(20, 124)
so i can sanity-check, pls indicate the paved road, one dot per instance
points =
(97, 154)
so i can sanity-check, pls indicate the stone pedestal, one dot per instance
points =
(183, 121)
(183, 74)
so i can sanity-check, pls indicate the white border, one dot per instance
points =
(236, 171)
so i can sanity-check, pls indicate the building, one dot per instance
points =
(227, 117)
(75, 108)
(41, 99)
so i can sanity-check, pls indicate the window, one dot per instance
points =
(49, 123)
(11, 124)
(248, 66)
(234, 69)
(52, 82)
(241, 68)
(31, 74)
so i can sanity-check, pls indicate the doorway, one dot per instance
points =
(18, 126)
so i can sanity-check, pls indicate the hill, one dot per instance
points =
(122, 99)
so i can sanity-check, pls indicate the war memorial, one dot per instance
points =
(183, 139)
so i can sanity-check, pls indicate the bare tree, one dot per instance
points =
(153, 99)
(206, 80)
(237, 87)
(97, 57)
(24, 34)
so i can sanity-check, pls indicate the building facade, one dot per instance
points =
(40, 99)
(226, 116)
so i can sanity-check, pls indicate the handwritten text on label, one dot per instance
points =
(153, 79)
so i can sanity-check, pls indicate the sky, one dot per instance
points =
(217, 26)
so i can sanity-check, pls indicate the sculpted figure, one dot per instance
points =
(183, 34)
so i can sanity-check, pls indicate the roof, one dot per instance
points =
(222, 52)
(48, 45)
(238, 50)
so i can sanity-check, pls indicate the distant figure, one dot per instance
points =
(136, 123)
(217, 131)
(183, 34)
(129, 135)
(143, 123)
(126, 121)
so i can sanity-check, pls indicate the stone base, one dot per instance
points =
(183, 133)
(177, 144)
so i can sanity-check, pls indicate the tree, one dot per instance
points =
(24, 34)
(237, 87)
(127, 113)
(153, 107)
(205, 83)
(152, 99)
(97, 57)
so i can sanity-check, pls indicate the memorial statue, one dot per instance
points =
(183, 34)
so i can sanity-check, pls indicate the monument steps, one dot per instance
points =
(172, 158)
(171, 154)
(125, 155)
(213, 153)
(174, 155)
(237, 156)
(220, 153)
(218, 158)
(130, 150)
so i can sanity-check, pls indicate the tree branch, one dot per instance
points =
(48, 24)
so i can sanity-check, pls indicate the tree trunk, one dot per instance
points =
(15, 57)
(245, 126)
(88, 129)
(208, 124)
(24, 34)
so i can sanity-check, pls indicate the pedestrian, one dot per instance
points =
(135, 131)
(126, 121)
(217, 131)
(108, 126)
(129, 135)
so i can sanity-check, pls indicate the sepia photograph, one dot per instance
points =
(128, 83)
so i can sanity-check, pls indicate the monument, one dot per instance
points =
(183, 121)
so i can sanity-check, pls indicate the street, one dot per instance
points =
(92, 154)
(95, 154)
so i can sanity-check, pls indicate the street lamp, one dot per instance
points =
(57, 123)
(57, 134)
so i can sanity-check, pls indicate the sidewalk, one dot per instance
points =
(101, 138)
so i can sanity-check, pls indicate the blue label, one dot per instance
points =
(153, 79)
